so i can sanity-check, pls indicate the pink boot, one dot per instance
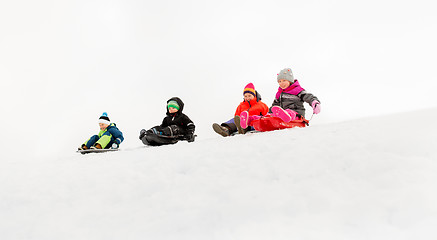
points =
(292, 114)
(282, 114)
(244, 119)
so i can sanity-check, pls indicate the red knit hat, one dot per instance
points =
(249, 89)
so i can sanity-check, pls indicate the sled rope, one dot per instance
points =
(311, 117)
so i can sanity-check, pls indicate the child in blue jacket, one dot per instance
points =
(108, 137)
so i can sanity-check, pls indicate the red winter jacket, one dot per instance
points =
(254, 107)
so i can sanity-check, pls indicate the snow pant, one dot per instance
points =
(292, 113)
(231, 125)
(172, 131)
(251, 118)
(105, 140)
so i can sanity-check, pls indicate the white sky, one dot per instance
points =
(62, 63)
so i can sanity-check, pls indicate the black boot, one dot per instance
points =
(224, 131)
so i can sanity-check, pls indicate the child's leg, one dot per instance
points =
(243, 122)
(252, 118)
(244, 119)
(230, 124)
(91, 141)
(172, 130)
(222, 130)
(237, 122)
(104, 139)
(281, 113)
(293, 114)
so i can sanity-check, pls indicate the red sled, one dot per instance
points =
(268, 123)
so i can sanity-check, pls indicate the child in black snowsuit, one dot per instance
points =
(175, 126)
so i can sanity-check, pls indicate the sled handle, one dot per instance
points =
(311, 117)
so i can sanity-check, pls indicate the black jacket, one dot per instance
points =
(179, 119)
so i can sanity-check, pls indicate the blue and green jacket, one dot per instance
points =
(107, 137)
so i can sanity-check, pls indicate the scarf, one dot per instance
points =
(293, 89)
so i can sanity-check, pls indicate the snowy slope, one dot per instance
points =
(370, 178)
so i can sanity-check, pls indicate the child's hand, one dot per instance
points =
(316, 107)
(190, 137)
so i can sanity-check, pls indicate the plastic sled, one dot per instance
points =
(97, 150)
(269, 123)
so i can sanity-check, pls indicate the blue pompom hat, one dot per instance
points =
(104, 119)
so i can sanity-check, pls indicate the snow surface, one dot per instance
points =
(371, 178)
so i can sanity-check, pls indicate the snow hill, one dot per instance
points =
(371, 178)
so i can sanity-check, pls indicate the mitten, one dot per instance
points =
(316, 107)
(171, 130)
(190, 137)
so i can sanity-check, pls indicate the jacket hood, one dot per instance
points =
(258, 96)
(180, 103)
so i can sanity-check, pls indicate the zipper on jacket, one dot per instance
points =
(250, 105)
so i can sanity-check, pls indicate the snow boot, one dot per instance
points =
(282, 114)
(244, 119)
(83, 147)
(240, 123)
(224, 131)
(97, 146)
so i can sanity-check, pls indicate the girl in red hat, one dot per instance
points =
(251, 108)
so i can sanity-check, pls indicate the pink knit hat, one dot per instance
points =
(250, 88)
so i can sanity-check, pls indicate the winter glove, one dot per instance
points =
(316, 107)
(142, 133)
(114, 146)
(171, 130)
(190, 137)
